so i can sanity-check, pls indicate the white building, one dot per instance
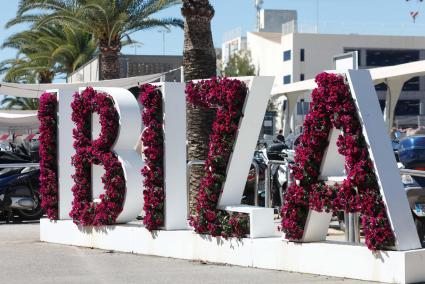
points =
(293, 56)
(233, 42)
(270, 21)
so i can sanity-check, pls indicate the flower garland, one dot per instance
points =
(228, 96)
(153, 143)
(84, 211)
(332, 106)
(48, 154)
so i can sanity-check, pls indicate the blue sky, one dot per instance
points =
(353, 16)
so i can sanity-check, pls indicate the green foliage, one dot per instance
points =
(239, 65)
(46, 51)
(19, 103)
(106, 20)
(65, 34)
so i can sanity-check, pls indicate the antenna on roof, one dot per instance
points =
(258, 6)
(415, 11)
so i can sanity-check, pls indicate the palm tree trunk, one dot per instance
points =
(109, 66)
(109, 63)
(45, 77)
(199, 62)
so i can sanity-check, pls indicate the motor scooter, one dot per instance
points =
(263, 156)
(411, 155)
(19, 187)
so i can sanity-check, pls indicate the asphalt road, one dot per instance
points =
(24, 259)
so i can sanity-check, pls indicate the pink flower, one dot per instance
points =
(227, 97)
(84, 211)
(152, 138)
(332, 107)
(48, 154)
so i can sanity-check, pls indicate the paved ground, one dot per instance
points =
(23, 259)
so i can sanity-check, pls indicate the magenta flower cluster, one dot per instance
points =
(332, 106)
(47, 115)
(228, 97)
(84, 211)
(153, 144)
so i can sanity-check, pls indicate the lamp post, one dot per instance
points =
(136, 45)
(163, 31)
(258, 5)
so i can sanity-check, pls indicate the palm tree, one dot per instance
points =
(27, 69)
(108, 21)
(199, 61)
(70, 48)
(44, 52)
(20, 103)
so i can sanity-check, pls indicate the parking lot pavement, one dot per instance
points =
(24, 259)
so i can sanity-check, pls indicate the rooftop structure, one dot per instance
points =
(133, 65)
(296, 52)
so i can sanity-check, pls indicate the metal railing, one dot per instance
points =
(352, 222)
(415, 173)
(20, 165)
(257, 181)
(268, 182)
(352, 227)
(192, 163)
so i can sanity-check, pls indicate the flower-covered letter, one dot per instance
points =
(48, 154)
(85, 211)
(153, 143)
(332, 106)
(228, 97)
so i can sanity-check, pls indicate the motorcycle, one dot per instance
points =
(262, 157)
(411, 155)
(19, 187)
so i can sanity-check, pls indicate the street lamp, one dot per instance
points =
(136, 45)
(163, 31)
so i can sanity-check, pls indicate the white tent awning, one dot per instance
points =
(10, 120)
(36, 90)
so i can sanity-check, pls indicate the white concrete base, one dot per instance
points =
(316, 226)
(261, 223)
(325, 258)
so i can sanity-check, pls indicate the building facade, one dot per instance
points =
(270, 22)
(133, 65)
(293, 56)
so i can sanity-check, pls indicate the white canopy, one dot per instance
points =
(18, 119)
(13, 120)
(36, 90)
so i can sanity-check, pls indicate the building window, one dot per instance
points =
(287, 79)
(407, 107)
(302, 55)
(404, 107)
(381, 87)
(302, 77)
(382, 105)
(411, 85)
(389, 57)
(303, 107)
(287, 55)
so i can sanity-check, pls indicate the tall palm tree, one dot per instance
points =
(71, 48)
(19, 103)
(199, 62)
(108, 21)
(28, 69)
(44, 52)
